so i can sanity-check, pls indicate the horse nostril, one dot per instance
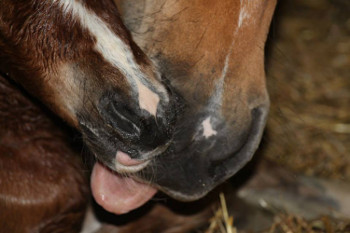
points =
(254, 132)
(244, 135)
(121, 118)
(135, 127)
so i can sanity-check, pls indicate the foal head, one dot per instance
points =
(78, 58)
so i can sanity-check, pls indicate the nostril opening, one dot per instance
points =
(259, 117)
(120, 117)
(126, 160)
(142, 130)
(134, 126)
(244, 142)
(257, 126)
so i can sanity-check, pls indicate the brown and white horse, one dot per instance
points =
(183, 125)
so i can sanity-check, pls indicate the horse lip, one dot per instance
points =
(120, 168)
(156, 152)
(181, 196)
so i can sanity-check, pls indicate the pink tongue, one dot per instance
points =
(118, 194)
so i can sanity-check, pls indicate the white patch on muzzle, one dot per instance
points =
(148, 100)
(116, 52)
(243, 15)
(208, 130)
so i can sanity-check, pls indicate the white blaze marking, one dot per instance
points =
(148, 100)
(246, 9)
(216, 99)
(243, 14)
(114, 50)
(208, 128)
(219, 89)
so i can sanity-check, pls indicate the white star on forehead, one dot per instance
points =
(208, 130)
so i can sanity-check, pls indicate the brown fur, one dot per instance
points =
(42, 184)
